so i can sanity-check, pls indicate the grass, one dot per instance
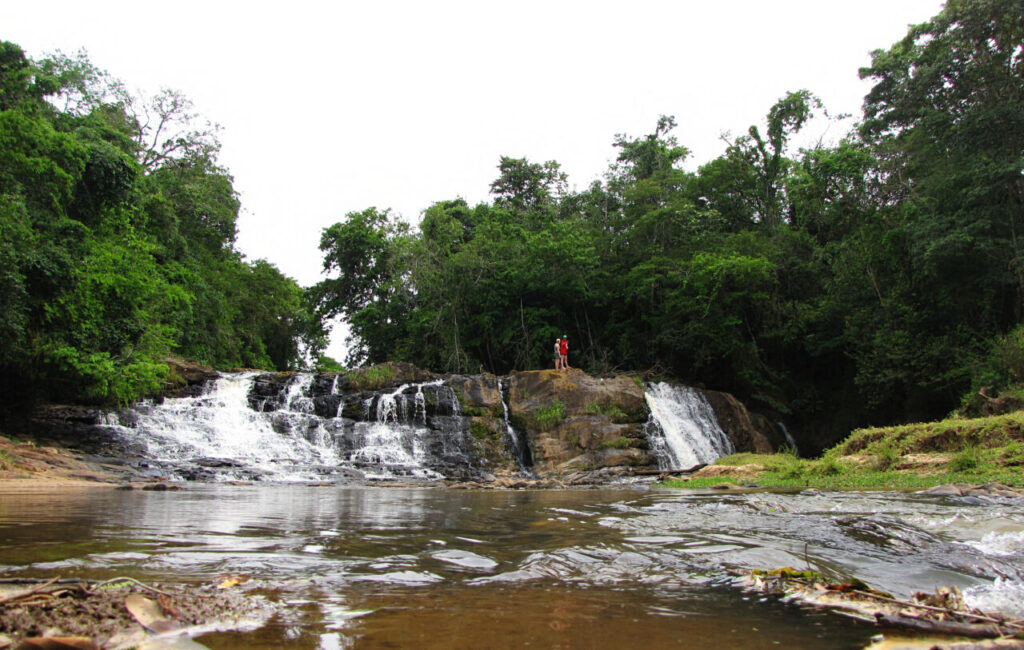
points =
(955, 450)
(548, 417)
(481, 431)
(371, 378)
(622, 442)
(858, 480)
(611, 411)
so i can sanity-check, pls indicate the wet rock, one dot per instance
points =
(975, 492)
(747, 431)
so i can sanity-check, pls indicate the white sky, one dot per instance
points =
(329, 108)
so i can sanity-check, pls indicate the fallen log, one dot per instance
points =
(667, 472)
(951, 628)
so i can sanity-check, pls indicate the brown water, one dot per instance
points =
(437, 568)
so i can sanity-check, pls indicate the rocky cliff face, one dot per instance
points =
(748, 431)
(475, 427)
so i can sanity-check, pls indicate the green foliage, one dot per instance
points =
(481, 431)
(885, 457)
(622, 442)
(117, 243)
(372, 377)
(612, 411)
(966, 459)
(549, 416)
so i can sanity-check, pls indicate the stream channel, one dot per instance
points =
(629, 566)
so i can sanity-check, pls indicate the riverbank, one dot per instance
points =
(964, 451)
(24, 463)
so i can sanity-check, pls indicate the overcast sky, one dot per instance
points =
(329, 108)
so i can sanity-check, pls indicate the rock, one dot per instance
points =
(747, 431)
(573, 420)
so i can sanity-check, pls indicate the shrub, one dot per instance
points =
(886, 457)
(967, 459)
(611, 411)
(548, 417)
(480, 431)
(372, 378)
(826, 466)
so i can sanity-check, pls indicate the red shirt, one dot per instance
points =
(563, 346)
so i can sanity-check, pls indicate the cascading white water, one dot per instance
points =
(682, 428)
(298, 399)
(522, 452)
(392, 441)
(221, 425)
(230, 430)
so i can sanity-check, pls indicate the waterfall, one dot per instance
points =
(220, 429)
(520, 448)
(790, 440)
(253, 426)
(682, 427)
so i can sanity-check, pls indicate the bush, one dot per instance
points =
(967, 459)
(548, 417)
(886, 457)
(372, 378)
(480, 431)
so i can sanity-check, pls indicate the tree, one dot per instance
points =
(947, 108)
(363, 251)
(946, 118)
(748, 183)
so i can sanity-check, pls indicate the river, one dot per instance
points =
(632, 566)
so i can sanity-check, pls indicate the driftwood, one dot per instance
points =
(56, 586)
(941, 614)
(667, 472)
(951, 628)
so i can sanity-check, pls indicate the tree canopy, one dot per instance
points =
(117, 242)
(863, 281)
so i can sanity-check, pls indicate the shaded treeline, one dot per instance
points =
(117, 232)
(873, 281)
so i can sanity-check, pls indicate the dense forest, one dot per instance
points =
(875, 280)
(117, 231)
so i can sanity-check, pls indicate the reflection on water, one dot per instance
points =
(379, 567)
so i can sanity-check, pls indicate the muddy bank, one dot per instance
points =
(122, 613)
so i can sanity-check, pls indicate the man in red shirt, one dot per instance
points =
(563, 350)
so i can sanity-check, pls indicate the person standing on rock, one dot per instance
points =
(563, 351)
(558, 355)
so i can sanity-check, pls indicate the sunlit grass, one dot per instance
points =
(962, 450)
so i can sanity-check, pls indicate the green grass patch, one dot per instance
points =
(622, 442)
(862, 480)
(949, 435)
(372, 377)
(979, 451)
(611, 411)
(481, 431)
(548, 417)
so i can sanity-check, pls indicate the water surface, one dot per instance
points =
(366, 567)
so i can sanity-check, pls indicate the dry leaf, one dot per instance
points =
(148, 614)
(230, 581)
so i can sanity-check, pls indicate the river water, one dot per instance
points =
(375, 567)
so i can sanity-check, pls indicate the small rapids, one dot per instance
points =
(368, 567)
